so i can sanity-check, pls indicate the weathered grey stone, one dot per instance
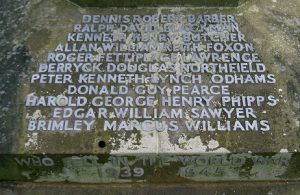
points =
(35, 28)
(137, 3)
(248, 188)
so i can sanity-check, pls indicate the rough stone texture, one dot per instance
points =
(247, 188)
(15, 60)
(139, 3)
(33, 28)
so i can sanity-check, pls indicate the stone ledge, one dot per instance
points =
(249, 188)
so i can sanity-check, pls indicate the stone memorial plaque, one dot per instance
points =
(153, 94)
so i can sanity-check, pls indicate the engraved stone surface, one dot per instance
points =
(156, 94)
